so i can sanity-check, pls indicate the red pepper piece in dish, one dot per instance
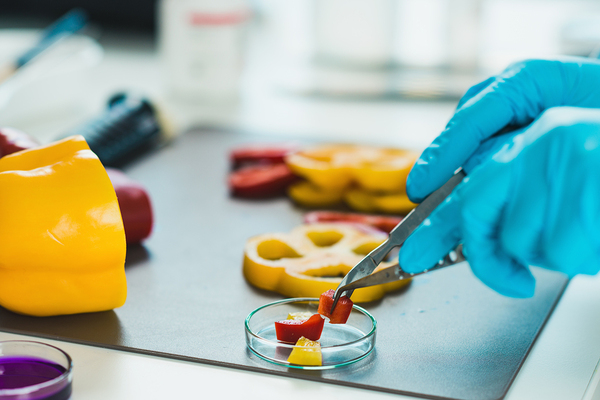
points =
(290, 330)
(261, 181)
(383, 223)
(135, 206)
(13, 140)
(260, 154)
(342, 309)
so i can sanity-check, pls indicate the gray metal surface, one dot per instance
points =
(445, 336)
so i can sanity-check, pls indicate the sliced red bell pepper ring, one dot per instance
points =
(342, 309)
(383, 223)
(290, 330)
(260, 154)
(261, 181)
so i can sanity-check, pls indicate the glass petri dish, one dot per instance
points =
(341, 344)
(34, 371)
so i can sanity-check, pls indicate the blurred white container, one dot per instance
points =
(464, 32)
(384, 33)
(355, 32)
(202, 45)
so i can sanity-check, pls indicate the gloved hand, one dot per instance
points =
(536, 202)
(517, 97)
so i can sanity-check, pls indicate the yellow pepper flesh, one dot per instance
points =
(335, 167)
(306, 352)
(312, 259)
(324, 166)
(300, 315)
(308, 195)
(368, 202)
(62, 232)
(385, 171)
(334, 173)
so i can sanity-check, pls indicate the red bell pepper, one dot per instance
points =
(13, 140)
(342, 309)
(134, 202)
(260, 154)
(290, 330)
(261, 181)
(383, 223)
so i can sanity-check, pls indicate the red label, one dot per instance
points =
(199, 18)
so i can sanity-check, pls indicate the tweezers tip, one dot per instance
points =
(336, 297)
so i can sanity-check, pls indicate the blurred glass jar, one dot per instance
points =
(201, 45)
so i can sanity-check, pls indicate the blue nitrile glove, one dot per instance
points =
(515, 97)
(536, 202)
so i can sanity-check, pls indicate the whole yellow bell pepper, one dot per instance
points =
(61, 231)
(312, 259)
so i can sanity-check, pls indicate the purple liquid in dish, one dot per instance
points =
(27, 373)
(18, 372)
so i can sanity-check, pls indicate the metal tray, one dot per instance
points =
(445, 336)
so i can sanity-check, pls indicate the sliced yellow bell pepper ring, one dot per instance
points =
(385, 170)
(312, 259)
(328, 167)
(369, 202)
(336, 167)
(62, 233)
(307, 194)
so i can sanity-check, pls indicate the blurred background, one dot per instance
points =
(345, 68)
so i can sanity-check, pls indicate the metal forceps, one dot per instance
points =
(361, 275)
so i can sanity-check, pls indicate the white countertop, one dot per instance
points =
(562, 364)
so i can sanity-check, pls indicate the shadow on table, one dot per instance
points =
(99, 327)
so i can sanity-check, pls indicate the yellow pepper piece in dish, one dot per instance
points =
(63, 240)
(336, 167)
(306, 352)
(300, 315)
(312, 259)
(369, 202)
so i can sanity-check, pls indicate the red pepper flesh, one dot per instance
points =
(260, 154)
(383, 223)
(290, 330)
(134, 202)
(261, 181)
(342, 309)
(13, 140)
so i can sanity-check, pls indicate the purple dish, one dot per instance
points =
(34, 371)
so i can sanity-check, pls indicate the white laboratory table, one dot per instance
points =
(561, 365)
